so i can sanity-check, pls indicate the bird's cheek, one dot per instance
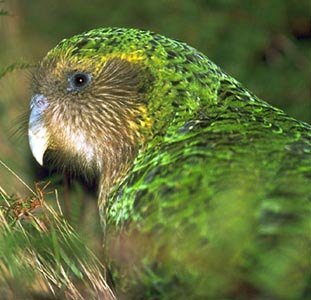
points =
(37, 131)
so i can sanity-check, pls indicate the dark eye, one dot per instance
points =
(78, 81)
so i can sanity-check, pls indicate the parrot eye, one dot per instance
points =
(78, 81)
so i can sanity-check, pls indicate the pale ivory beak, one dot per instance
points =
(37, 132)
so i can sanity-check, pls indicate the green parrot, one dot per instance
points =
(204, 189)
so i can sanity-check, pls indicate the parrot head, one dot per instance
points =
(100, 96)
(88, 111)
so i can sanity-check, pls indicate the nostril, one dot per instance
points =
(39, 102)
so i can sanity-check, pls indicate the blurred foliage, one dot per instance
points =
(266, 45)
(41, 256)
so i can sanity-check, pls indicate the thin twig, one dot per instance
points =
(19, 178)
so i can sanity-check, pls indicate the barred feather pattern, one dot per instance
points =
(204, 188)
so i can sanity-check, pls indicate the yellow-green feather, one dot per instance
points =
(217, 203)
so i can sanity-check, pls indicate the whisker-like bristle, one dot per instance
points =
(19, 128)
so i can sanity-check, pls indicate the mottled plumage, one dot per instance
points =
(204, 189)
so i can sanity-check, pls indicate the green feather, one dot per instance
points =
(217, 204)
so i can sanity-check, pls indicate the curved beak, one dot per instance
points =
(37, 131)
